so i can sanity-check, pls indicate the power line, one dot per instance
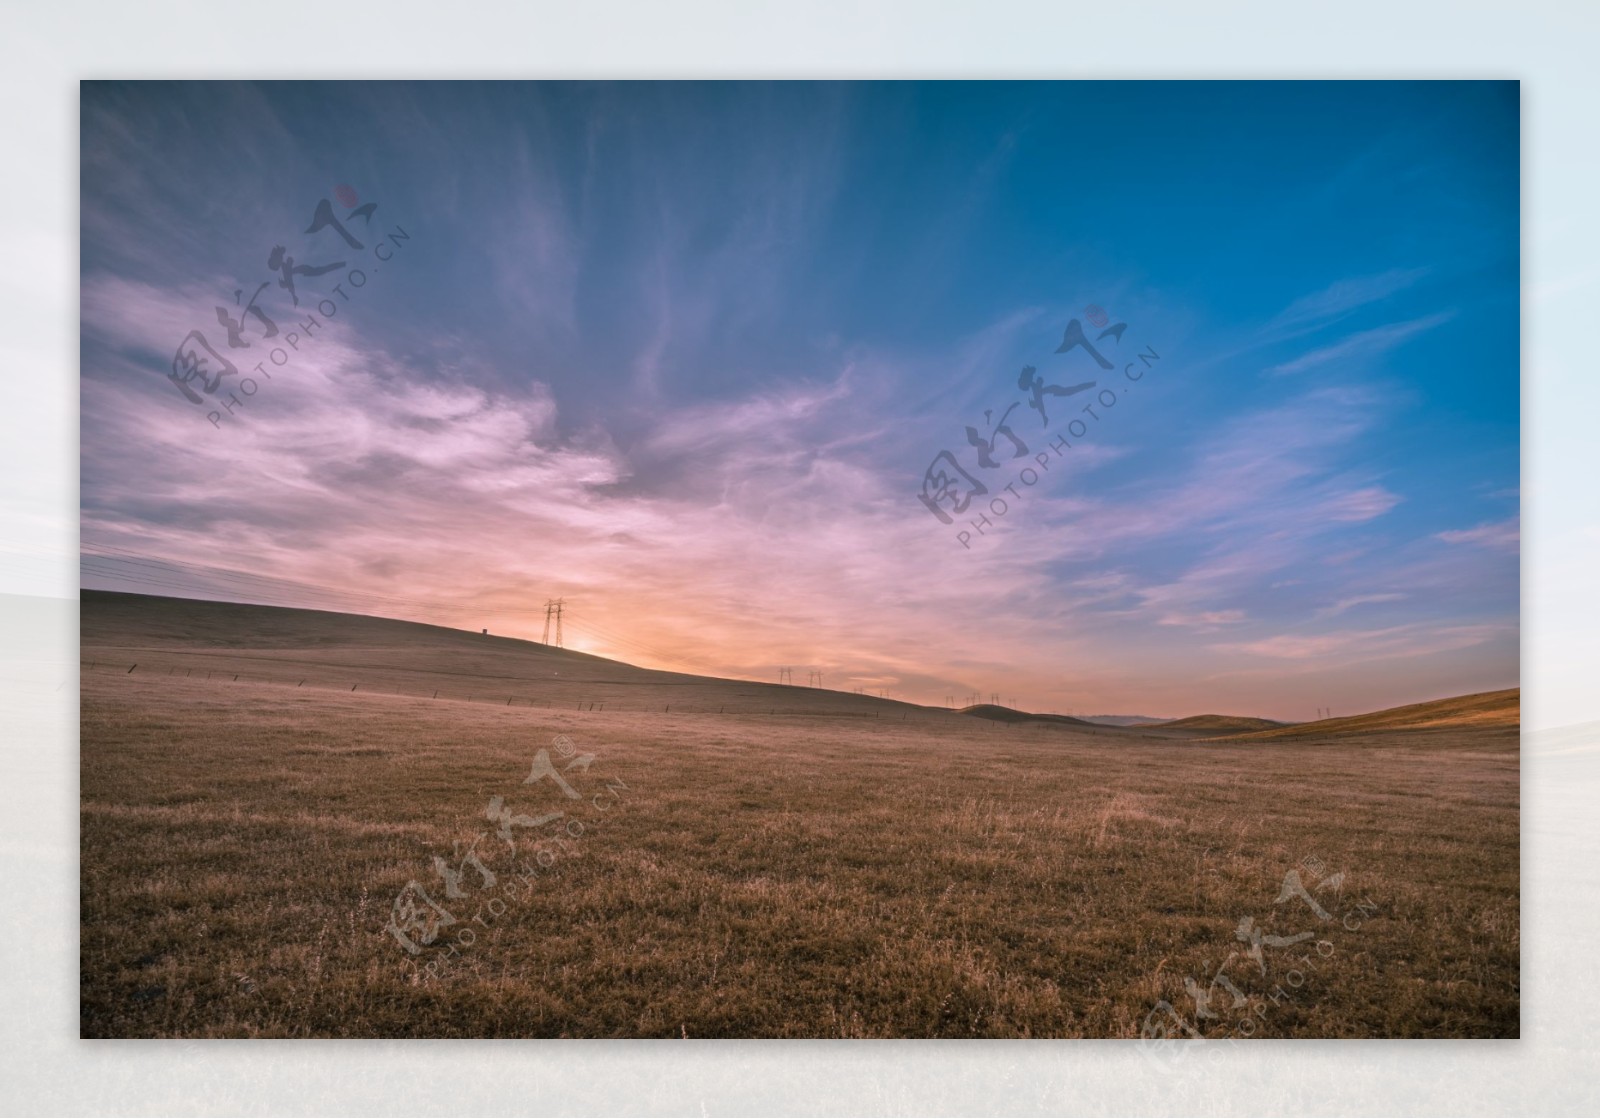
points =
(106, 562)
(111, 554)
(301, 601)
(611, 637)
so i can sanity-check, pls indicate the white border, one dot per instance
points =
(44, 50)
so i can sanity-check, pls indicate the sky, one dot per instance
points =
(687, 355)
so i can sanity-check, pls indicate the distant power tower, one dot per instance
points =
(785, 676)
(949, 701)
(813, 679)
(994, 698)
(552, 609)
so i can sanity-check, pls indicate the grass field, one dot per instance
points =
(749, 860)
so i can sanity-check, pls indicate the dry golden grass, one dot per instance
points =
(857, 868)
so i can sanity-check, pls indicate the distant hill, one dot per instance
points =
(1481, 710)
(1223, 724)
(1123, 720)
(1011, 715)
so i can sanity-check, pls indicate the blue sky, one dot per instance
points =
(682, 352)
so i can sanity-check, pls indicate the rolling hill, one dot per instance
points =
(1002, 714)
(1480, 711)
(1222, 724)
(149, 634)
(1123, 720)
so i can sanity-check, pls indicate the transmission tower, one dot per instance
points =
(785, 676)
(552, 609)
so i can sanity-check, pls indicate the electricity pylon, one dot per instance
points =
(552, 609)
(785, 676)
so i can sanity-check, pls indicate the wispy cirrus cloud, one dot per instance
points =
(1363, 345)
(1204, 621)
(1339, 299)
(1344, 646)
(1503, 535)
(1354, 601)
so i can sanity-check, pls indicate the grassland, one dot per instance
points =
(747, 860)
